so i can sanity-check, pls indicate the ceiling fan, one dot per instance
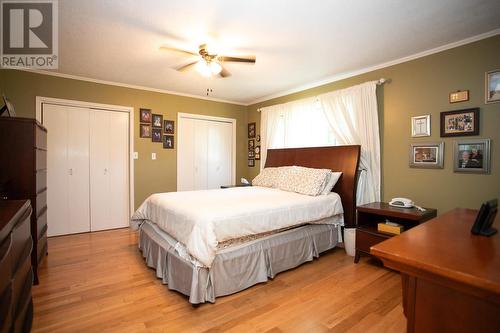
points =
(208, 63)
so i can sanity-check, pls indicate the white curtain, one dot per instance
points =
(296, 124)
(353, 117)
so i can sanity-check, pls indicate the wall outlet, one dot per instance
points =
(136, 155)
(153, 156)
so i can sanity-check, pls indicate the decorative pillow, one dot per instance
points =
(268, 177)
(304, 180)
(330, 184)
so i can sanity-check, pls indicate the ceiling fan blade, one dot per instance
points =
(187, 67)
(224, 72)
(249, 59)
(167, 48)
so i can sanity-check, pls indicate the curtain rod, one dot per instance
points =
(379, 82)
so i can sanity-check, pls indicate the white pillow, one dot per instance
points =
(332, 180)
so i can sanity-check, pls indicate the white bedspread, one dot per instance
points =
(201, 219)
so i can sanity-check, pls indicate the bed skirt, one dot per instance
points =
(235, 268)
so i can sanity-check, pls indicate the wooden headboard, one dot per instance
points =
(336, 158)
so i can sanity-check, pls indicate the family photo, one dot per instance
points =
(472, 156)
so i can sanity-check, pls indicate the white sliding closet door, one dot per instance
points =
(109, 170)
(204, 153)
(67, 169)
(219, 142)
(87, 169)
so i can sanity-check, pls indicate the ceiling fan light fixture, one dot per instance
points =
(208, 69)
(215, 67)
(203, 68)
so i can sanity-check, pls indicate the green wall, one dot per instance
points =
(421, 87)
(150, 176)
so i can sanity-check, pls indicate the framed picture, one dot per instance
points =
(472, 156)
(251, 154)
(145, 116)
(157, 120)
(427, 155)
(492, 88)
(168, 141)
(251, 130)
(460, 122)
(145, 131)
(156, 135)
(258, 138)
(251, 144)
(251, 162)
(421, 126)
(257, 152)
(169, 126)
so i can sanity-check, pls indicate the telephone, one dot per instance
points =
(402, 202)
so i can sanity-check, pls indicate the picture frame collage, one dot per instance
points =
(155, 127)
(253, 145)
(469, 156)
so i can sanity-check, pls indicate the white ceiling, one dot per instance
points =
(297, 43)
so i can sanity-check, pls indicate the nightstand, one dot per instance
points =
(239, 185)
(371, 214)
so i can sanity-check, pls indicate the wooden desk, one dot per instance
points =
(451, 278)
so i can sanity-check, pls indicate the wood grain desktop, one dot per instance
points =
(451, 278)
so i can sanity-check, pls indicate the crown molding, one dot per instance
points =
(346, 75)
(303, 87)
(125, 85)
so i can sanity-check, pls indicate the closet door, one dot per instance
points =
(109, 170)
(220, 151)
(185, 154)
(204, 153)
(67, 169)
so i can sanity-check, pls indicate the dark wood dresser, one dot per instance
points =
(16, 275)
(23, 175)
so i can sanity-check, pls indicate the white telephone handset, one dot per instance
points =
(405, 203)
(402, 202)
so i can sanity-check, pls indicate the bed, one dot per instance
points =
(276, 230)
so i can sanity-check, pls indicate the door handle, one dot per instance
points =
(70, 171)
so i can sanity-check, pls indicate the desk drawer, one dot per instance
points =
(366, 239)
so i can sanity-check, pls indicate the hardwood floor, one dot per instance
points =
(99, 283)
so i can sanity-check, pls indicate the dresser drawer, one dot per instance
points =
(24, 307)
(40, 202)
(5, 310)
(41, 180)
(366, 239)
(21, 240)
(5, 263)
(41, 247)
(19, 279)
(41, 159)
(41, 225)
(40, 138)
